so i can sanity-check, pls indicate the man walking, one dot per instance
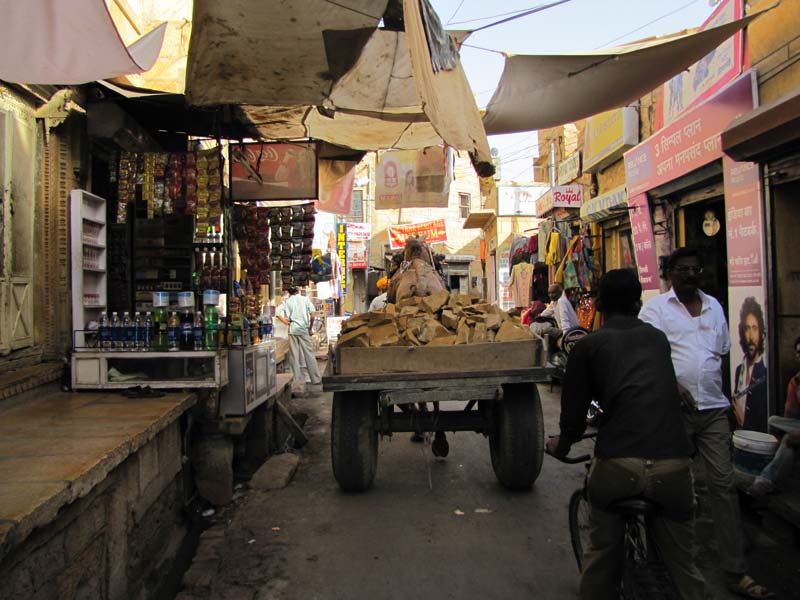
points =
(695, 326)
(297, 312)
(642, 448)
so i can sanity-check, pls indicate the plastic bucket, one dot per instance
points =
(160, 299)
(211, 297)
(753, 450)
(186, 299)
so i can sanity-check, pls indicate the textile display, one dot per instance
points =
(520, 284)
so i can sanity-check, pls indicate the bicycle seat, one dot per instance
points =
(635, 506)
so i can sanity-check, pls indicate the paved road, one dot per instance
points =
(403, 538)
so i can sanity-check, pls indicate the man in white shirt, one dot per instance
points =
(695, 326)
(297, 312)
(561, 309)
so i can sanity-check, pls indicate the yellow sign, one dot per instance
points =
(608, 135)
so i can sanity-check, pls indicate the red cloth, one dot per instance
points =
(536, 308)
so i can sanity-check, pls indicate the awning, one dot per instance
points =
(764, 131)
(613, 203)
(274, 53)
(70, 43)
(478, 219)
(536, 92)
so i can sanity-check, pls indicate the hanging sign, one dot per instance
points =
(608, 135)
(341, 251)
(274, 171)
(434, 232)
(419, 178)
(358, 235)
(336, 178)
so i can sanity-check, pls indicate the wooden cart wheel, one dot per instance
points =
(354, 439)
(516, 441)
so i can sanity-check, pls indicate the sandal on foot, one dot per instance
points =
(748, 588)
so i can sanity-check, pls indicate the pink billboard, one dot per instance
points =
(691, 142)
(644, 242)
(743, 222)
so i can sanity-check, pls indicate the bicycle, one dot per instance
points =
(644, 574)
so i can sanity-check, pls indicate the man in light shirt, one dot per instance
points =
(297, 312)
(695, 326)
(561, 309)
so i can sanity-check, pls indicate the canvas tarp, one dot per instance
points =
(446, 95)
(536, 92)
(276, 53)
(69, 43)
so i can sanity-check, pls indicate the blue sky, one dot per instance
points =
(576, 26)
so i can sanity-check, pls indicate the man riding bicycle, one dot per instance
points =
(642, 448)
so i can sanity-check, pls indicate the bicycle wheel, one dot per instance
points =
(644, 576)
(579, 525)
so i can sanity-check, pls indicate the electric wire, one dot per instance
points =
(488, 18)
(455, 12)
(669, 14)
(351, 9)
(520, 15)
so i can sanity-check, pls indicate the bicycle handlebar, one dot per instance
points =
(574, 460)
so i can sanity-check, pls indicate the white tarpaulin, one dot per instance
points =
(536, 92)
(74, 42)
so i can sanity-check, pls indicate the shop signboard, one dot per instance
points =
(503, 276)
(644, 242)
(358, 235)
(744, 225)
(341, 251)
(518, 200)
(559, 196)
(707, 76)
(605, 206)
(691, 142)
(413, 178)
(336, 178)
(608, 135)
(273, 171)
(434, 232)
(569, 169)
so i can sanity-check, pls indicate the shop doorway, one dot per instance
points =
(701, 225)
(786, 284)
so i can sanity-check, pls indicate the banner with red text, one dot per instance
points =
(434, 232)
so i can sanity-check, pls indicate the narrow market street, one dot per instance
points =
(407, 536)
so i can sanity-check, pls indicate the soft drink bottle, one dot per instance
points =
(211, 321)
(198, 330)
(148, 331)
(138, 332)
(127, 333)
(104, 332)
(187, 329)
(116, 332)
(173, 332)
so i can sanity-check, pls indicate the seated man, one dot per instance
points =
(559, 316)
(642, 447)
(777, 472)
(534, 310)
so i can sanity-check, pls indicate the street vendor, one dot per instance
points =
(379, 302)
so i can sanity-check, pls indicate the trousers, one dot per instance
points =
(303, 344)
(667, 482)
(710, 432)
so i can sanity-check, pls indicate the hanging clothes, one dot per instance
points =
(520, 284)
(553, 244)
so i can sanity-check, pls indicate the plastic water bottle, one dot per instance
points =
(104, 331)
(147, 334)
(116, 332)
(211, 322)
(198, 330)
(138, 332)
(127, 332)
(173, 332)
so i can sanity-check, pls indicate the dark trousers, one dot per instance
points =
(667, 482)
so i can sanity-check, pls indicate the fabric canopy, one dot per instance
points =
(536, 92)
(70, 43)
(274, 53)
